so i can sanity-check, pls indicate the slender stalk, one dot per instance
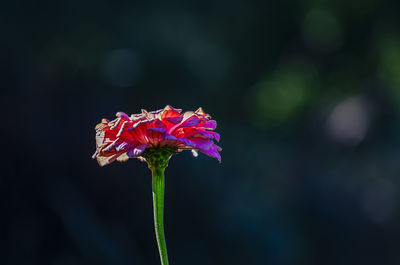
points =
(158, 203)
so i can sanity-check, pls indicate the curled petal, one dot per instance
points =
(137, 151)
(95, 154)
(171, 115)
(208, 124)
(175, 120)
(123, 158)
(123, 146)
(213, 152)
(136, 117)
(201, 112)
(169, 107)
(216, 135)
(109, 147)
(203, 133)
(138, 124)
(156, 111)
(196, 132)
(121, 129)
(100, 138)
(105, 160)
(192, 121)
(189, 121)
(123, 115)
(145, 113)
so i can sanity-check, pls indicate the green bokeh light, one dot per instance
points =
(389, 64)
(281, 94)
(322, 29)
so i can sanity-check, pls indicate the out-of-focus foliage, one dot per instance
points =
(306, 95)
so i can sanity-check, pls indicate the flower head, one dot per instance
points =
(167, 130)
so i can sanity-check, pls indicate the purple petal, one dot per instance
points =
(212, 152)
(202, 144)
(202, 133)
(168, 136)
(216, 135)
(186, 142)
(160, 130)
(137, 151)
(208, 134)
(175, 120)
(123, 146)
(210, 124)
(192, 121)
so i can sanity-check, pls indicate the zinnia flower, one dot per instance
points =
(167, 129)
(153, 137)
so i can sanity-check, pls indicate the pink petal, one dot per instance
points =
(121, 129)
(159, 124)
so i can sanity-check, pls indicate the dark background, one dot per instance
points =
(307, 99)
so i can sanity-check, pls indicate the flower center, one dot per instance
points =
(158, 157)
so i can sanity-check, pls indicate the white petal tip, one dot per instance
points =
(195, 153)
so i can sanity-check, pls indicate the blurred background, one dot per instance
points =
(307, 99)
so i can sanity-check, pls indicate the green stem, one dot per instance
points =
(158, 203)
